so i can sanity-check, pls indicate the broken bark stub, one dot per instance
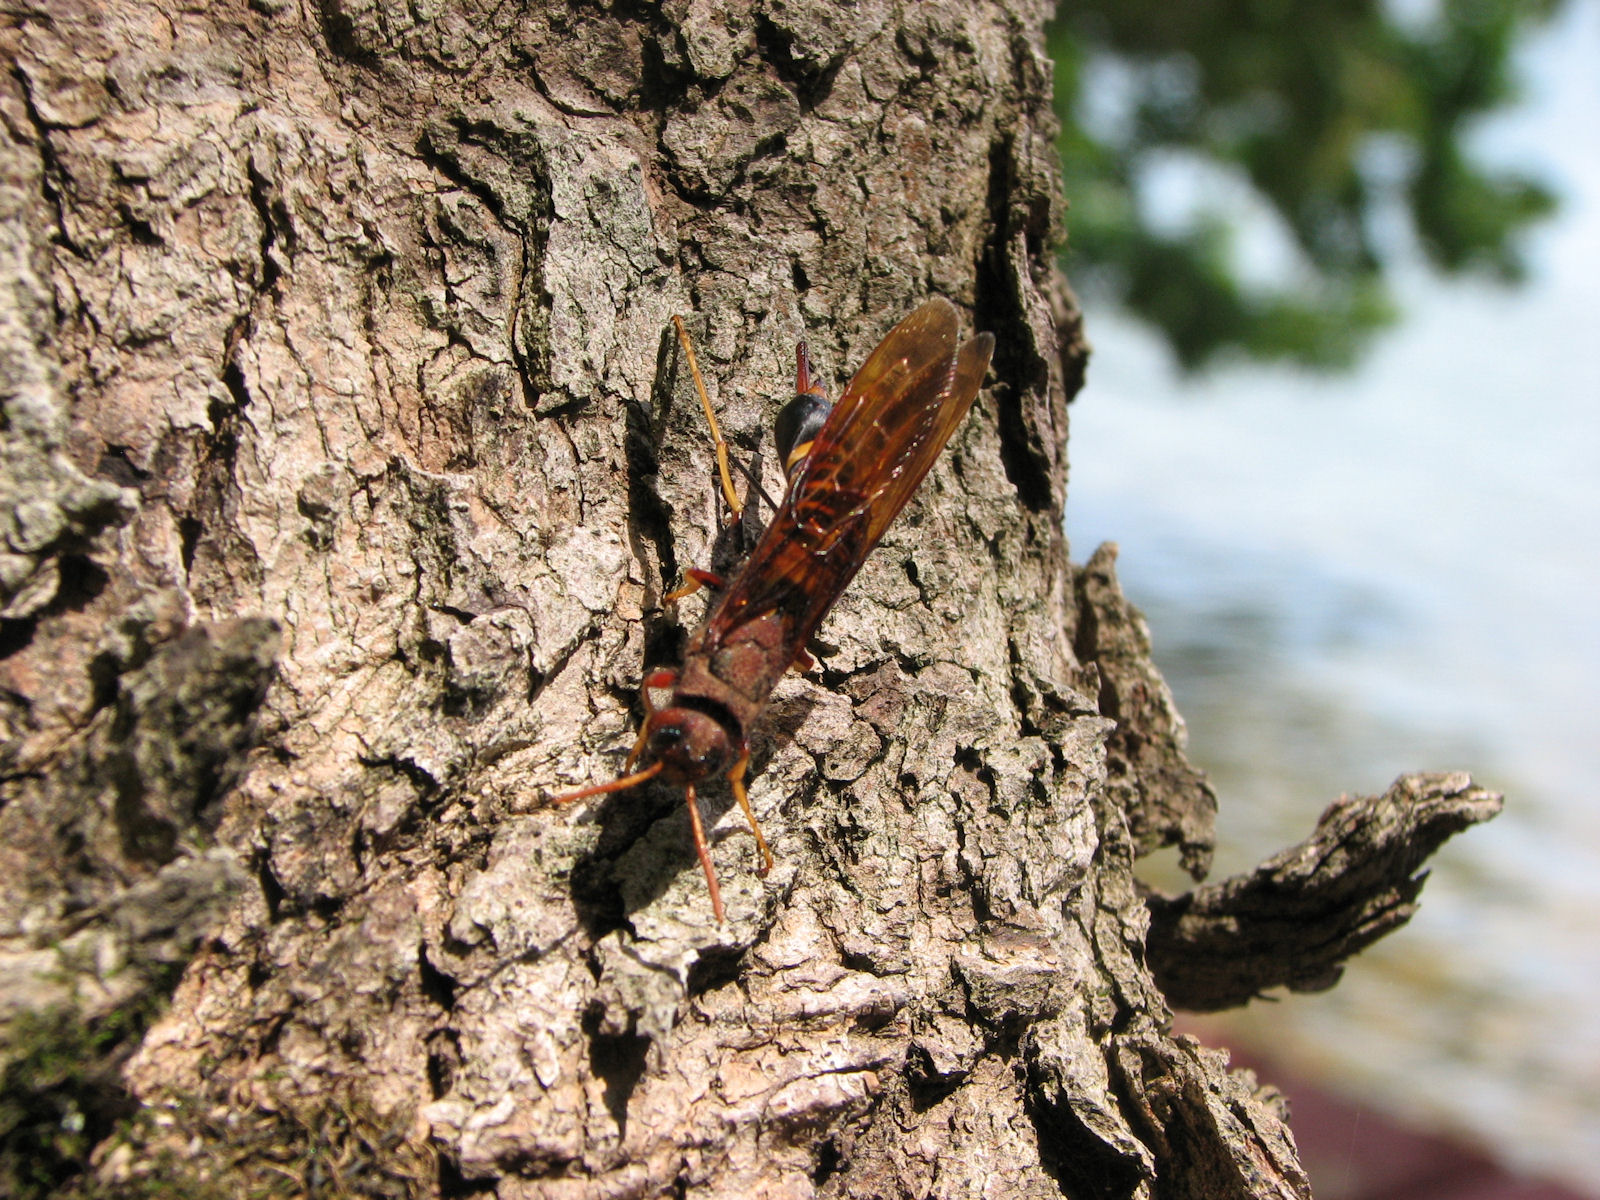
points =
(1295, 920)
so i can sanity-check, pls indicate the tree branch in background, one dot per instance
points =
(1331, 121)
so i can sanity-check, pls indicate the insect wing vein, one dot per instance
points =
(881, 439)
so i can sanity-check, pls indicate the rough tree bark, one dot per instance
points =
(347, 457)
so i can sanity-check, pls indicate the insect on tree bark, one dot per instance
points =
(849, 475)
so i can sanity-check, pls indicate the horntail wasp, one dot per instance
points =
(850, 470)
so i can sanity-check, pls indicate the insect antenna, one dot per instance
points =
(616, 785)
(703, 851)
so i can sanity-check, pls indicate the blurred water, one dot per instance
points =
(1393, 571)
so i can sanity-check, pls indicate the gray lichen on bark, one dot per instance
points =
(338, 369)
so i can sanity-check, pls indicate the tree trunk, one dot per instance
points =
(349, 453)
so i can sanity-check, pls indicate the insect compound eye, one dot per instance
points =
(666, 743)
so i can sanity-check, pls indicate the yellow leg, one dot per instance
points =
(736, 779)
(693, 580)
(688, 587)
(638, 743)
(656, 679)
(711, 420)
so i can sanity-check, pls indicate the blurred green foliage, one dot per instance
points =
(1334, 115)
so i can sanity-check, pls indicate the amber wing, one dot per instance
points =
(880, 440)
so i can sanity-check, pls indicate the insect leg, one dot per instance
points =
(704, 852)
(693, 580)
(736, 779)
(663, 678)
(711, 420)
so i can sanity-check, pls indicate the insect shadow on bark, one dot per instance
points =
(627, 816)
